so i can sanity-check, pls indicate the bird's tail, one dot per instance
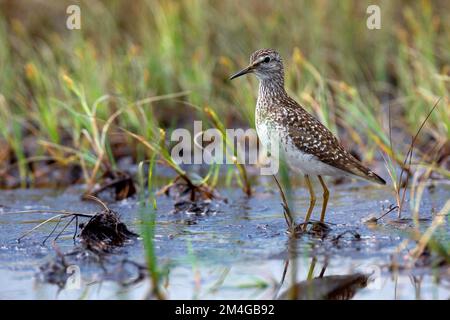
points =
(361, 171)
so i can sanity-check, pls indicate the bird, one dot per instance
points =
(307, 145)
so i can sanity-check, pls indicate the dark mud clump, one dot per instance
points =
(104, 231)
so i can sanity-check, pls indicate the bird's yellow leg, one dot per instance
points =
(311, 269)
(326, 195)
(312, 200)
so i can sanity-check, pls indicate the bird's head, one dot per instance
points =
(266, 64)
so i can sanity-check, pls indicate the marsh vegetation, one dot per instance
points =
(89, 113)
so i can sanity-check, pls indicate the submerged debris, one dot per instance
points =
(183, 187)
(121, 182)
(199, 208)
(355, 235)
(54, 271)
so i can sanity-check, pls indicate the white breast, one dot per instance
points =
(307, 163)
(304, 163)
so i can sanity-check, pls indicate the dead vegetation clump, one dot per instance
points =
(104, 231)
(182, 187)
(99, 236)
(190, 198)
(199, 208)
(120, 182)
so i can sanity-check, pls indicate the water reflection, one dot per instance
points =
(323, 287)
(241, 252)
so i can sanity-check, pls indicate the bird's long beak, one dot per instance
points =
(242, 72)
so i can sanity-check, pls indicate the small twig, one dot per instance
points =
(390, 129)
(62, 215)
(166, 188)
(64, 228)
(50, 234)
(391, 208)
(408, 157)
(62, 212)
(286, 265)
(283, 277)
(93, 198)
(40, 224)
(324, 268)
(76, 229)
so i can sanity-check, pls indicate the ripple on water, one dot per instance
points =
(238, 250)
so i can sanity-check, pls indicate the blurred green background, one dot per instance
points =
(54, 81)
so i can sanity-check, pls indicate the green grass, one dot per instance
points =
(147, 210)
(52, 79)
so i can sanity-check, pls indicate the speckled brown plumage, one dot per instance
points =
(308, 142)
(310, 136)
(305, 143)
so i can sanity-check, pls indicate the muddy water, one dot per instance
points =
(237, 251)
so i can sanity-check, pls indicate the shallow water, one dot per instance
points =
(239, 252)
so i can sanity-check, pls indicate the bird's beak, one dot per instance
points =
(242, 72)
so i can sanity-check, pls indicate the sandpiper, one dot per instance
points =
(307, 145)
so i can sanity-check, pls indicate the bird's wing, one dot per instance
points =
(312, 137)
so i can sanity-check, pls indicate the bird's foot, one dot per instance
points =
(315, 228)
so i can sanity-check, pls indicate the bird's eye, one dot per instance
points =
(266, 60)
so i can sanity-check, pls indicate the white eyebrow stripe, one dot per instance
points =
(260, 59)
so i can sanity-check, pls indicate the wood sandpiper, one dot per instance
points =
(307, 145)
